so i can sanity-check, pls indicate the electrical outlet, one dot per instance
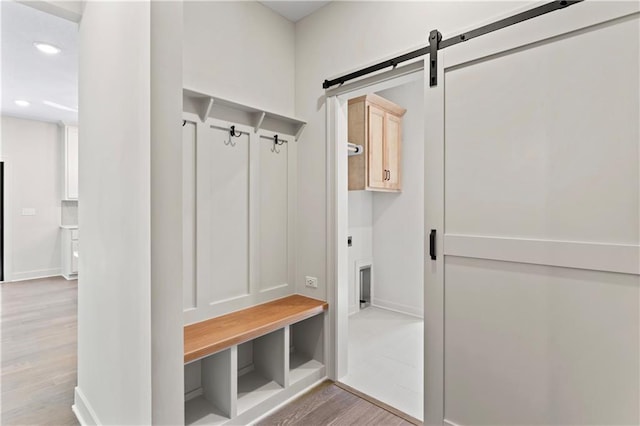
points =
(311, 282)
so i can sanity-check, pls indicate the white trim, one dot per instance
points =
(83, 410)
(332, 345)
(569, 254)
(383, 80)
(397, 307)
(337, 195)
(434, 269)
(246, 369)
(450, 423)
(193, 394)
(193, 315)
(7, 226)
(32, 275)
(337, 260)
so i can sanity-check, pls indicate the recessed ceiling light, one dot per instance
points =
(22, 103)
(47, 48)
(63, 107)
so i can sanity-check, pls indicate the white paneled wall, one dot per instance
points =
(239, 204)
(189, 215)
(273, 215)
(223, 213)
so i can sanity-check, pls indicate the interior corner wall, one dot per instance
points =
(33, 152)
(398, 218)
(240, 51)
(114, 297)
(343, 36)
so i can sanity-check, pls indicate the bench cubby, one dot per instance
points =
(209, 388)
(263, 374)
(241, 365)
(306, 349)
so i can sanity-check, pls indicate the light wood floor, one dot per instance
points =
(38, 358)
(38, 352)
(328, 404)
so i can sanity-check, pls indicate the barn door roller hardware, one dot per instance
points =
(436, 43)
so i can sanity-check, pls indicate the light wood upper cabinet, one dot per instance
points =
(376, 124)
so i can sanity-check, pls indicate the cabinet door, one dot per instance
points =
(74, 257)
(376, 170)
(71, 163)
(392, 142)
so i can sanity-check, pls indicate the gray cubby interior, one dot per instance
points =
(306, 352)
(209, 389)
(262, 371)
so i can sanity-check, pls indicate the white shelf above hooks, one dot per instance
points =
(206, 105)
(205, 108)
(261, 116)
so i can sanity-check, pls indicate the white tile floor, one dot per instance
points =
(386, 358)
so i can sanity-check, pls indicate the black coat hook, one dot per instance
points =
(184, 122)
(277, 142)
(232, 132)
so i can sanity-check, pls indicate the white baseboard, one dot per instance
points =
(353, 309)
(193, 394)
(246, 370)
(83, 411)
(32, 275)
(449, 423)
(397, 307)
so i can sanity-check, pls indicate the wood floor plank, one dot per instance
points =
(327, 404)
(38, 358)
(39, 351)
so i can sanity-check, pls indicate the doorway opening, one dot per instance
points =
(38, 213)
(380, 206)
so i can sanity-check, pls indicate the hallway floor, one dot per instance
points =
(38, 352)
(328, 404)
(386, 358)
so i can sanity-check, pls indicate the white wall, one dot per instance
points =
(167, 355)
(360, 33)
(398, 218)
(243, 52)
(240, 51)
(33, 153)
(129, 357)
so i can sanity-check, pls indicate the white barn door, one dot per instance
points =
(532, 174)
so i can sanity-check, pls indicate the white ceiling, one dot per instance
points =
(294, 10)
(31, 75)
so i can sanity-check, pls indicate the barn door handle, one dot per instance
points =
(432, 244)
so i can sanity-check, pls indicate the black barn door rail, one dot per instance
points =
(435, 43)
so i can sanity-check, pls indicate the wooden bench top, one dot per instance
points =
(213, 335)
